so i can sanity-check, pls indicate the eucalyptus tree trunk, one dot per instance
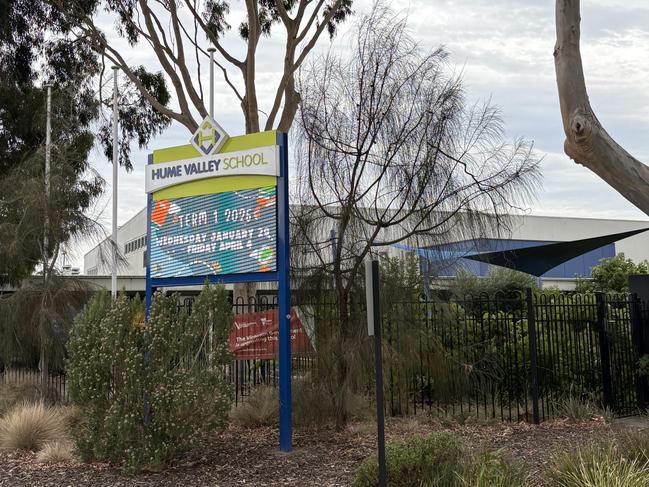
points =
(587, 143)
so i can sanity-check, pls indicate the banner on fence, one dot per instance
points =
(254, 336)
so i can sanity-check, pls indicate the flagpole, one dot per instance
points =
(113, 280)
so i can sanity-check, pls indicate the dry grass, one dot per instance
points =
(312, 406)
(30, 426)
(259, 409)
(56, 452)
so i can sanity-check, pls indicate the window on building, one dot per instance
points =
(144, 259)
(135, 244)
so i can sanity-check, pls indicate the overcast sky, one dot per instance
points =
(504, 50)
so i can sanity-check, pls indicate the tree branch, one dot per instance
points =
(587, 143)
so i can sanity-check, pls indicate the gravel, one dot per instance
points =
(321, 457)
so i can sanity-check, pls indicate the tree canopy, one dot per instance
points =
(611, 275)
(178, 33)
(390, 151)
(36, 49)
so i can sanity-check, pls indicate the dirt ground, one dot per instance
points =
(321, 457)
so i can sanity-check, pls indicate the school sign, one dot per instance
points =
(218, 212)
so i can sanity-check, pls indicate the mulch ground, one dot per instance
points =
(321, 457)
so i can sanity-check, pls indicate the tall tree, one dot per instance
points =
(176, 33)
(35, 318)
(587, 142)
(35, 49)
(391, 152)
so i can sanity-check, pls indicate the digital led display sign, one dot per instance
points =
(232, 232)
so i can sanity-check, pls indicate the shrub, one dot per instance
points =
(492, 469)
(30, 426)
(56, 452)
(611, 275)
(599, 465)
(435, 460)
(118, 365)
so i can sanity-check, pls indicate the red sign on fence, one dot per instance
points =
(255, 336)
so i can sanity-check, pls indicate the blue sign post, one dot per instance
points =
(225, 228)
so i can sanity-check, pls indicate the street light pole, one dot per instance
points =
(211, 51)
(48, 156)
(113, 279)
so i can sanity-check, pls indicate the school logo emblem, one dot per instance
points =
(209, 137)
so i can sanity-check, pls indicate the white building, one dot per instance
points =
(131, 240)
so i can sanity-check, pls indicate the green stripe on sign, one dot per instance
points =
(217, 184)
(214, 185)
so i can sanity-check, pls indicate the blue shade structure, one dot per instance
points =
(539, 259)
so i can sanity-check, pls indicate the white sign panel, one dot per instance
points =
(262, 161)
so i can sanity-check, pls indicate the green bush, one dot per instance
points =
(611, 275)
(433, 460)
(439, 460)
(492, 469)
(118, 365)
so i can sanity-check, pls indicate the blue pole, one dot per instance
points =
(284, 291)
(149, 291)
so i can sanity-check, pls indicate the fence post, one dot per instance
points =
(642, 389)
(534, 368)
(604, 350)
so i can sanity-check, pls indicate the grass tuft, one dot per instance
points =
(56, 452)
(30, 426)
(599, 465)
(578, 409)
(259, 409)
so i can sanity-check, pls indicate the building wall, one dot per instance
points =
(131, 242)
(525, 230)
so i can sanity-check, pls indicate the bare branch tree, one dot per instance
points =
(170, 29)
(587, 143)
(390, 152)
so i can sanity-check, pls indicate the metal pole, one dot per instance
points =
(113, 276)
(534, 367)
(48, 156)
(211, 51)
(374, 328)
(604, 350)
(284, 297)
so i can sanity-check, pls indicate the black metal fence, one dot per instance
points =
(27, 381)
(515, 357)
